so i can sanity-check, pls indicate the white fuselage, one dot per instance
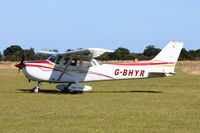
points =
(46, 71)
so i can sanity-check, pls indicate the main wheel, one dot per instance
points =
(36, 89)
(65, 91)
(78, 92)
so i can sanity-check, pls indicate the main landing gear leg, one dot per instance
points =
(36, 89)
(66, 88)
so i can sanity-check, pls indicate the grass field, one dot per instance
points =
(161, 105)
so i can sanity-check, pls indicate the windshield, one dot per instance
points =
(52, 58)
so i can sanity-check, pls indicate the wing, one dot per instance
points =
(47, 52)
(94, 52)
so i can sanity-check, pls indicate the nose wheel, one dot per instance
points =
(36, 89)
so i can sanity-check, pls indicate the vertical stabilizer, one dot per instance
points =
(170, 53)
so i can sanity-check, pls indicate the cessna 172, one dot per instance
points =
(78, 66)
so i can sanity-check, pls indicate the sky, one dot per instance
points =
(108, 24)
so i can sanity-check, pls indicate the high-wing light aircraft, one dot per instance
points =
(71, 68)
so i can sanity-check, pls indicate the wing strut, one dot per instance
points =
(68, 63)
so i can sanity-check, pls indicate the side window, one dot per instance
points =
(73, 62)
(86, 63)
(59, 59)
(65, 61)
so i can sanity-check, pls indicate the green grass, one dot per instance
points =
(161, 105)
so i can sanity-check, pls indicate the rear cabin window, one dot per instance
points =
(73, 62)
(86, 63)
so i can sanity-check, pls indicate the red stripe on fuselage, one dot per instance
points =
(41, 62)
(33, 65)
(40, 66)
(142, 63)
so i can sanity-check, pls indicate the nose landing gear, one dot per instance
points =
(36, 89)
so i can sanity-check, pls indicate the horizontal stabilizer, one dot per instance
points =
(161, 74)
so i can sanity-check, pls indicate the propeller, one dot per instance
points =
(21, 64)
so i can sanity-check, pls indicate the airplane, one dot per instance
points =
(73, 67)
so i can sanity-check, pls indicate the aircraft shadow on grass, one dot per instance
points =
(60, 92)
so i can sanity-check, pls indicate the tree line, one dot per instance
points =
(16, 53)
